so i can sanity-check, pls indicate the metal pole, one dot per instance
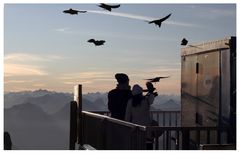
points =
(73, 125)
(78, 99)
(185, 139)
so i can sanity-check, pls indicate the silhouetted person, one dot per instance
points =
(7, 141)
(138, 107)
(118, 97)
(138, 110)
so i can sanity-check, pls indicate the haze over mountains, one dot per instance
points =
(40, 119)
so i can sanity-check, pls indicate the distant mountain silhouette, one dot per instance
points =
(94, 96)
(31, 128)
(52, 102)
(15, 98)
(40, 119)
(169, 105)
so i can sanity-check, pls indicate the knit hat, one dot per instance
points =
(136, 90)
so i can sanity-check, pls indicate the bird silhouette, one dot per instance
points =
(150, 87)
(108, 7)
(73, 12)
(159, 21)
(184, 41)
(157, 79)
(96, 42)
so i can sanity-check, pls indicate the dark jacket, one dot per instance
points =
(117, 102)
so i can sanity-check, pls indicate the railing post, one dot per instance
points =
(167, 140)
(78, 99)
(185, 139)
(73, 125)
(156, 141)
(177, 140)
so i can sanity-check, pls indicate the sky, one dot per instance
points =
(45, 48)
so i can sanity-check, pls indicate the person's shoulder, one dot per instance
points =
(113, 91)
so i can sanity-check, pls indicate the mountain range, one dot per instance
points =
(39, 120)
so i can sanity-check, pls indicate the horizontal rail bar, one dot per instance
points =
(114, 120)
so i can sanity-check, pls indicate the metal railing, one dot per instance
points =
(164, 118)
(103, 132)
(178, 138)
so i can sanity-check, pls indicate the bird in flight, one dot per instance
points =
(72, 12)
(158, 22)
(108, 7)
(157, 79)
(184, 41)
(96, 42)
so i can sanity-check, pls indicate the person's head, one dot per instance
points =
(137, 95)
(137, 90)
(122, 79)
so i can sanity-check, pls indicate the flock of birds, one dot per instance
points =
(107, 7)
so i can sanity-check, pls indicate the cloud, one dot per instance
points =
(25, 57)
(65, 29)
(22, 70)
(223, 12)
(22, 64)
(87, 76)
(16, 81)
(39, 85)
(119, 14)
(211, 12)
(144, 18)
(75, 82)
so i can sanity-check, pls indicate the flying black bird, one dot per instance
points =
(159, 21)
(108, 7)
(96, 42)
(184, 41)
(72, 12)
(157, 79)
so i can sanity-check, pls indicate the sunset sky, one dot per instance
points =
(47, 49)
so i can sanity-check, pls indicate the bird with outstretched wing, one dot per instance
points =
(108, 7)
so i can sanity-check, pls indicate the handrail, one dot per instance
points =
(125, 123)
(164, 118)
(104, 132)
(187, 137)
(101, 131)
